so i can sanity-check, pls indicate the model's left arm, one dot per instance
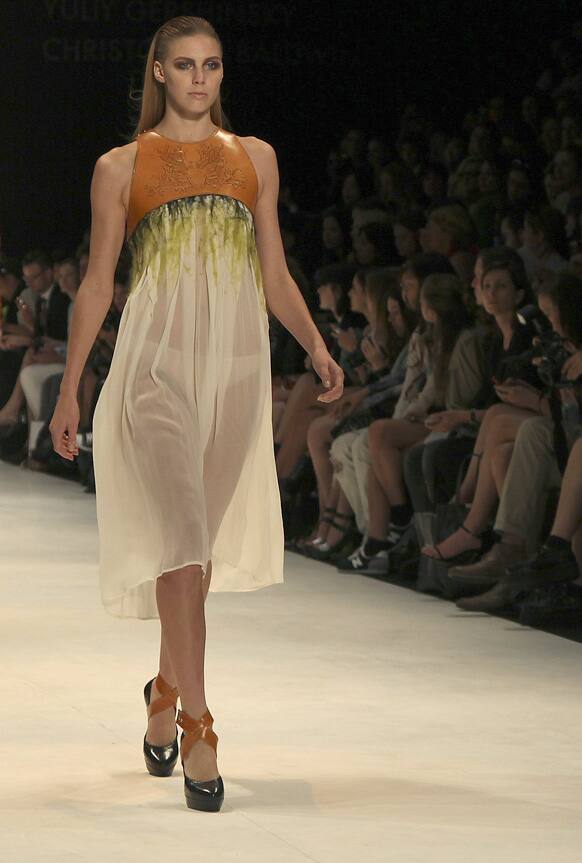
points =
(283, 297)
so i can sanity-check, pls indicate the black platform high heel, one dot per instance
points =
(160, 760)
(205, 795)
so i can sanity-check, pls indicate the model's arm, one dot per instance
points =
(94, 296)
(282, 294)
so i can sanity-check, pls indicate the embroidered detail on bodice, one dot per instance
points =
(176, 170)
(165, 170)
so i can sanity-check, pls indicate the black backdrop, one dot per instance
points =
(296, 74)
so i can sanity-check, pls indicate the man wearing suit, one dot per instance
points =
(43, 310)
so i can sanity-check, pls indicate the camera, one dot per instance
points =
(550, 350)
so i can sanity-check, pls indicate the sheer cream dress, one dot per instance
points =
(182, 431)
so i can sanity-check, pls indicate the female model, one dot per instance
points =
(182, 435)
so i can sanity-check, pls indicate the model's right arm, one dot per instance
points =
(94, 296)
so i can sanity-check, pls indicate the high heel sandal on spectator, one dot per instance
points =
(160, 760)
(469, 555)
(302, 545)
(325, 551)
(205, 795)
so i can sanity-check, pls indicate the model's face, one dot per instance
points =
(193, 65)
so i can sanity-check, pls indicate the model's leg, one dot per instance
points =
(162, 726)
(180, 599)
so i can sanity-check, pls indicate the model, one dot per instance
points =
(187, 493)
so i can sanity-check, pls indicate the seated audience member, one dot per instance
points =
(349, 451)
(545, 244)
(339, 285)
(36, 372)
(335, 236)
(552, 578)
(406, 228)
(450, 231)
(13, 314)
(455, 378)
(567, 169)
(519, 460)
(374, 245)
(50, 325)
(381, 346)
(502, 292)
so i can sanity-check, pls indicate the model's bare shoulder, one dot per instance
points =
(114, 169)
(264, 158)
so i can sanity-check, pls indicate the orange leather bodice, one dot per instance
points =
(165, 170)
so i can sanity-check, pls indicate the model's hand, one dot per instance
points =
(63, 427)
(330, 373)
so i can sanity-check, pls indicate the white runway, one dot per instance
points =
(356, 720)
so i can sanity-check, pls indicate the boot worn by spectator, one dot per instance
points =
(556, 603)
(554, 563)
(492, 565)
(501, 595)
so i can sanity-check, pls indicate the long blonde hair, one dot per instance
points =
(152, 102)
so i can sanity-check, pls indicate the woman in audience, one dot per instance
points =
(354, 415)
(350, 451)
(454, 381)
(406, 228)
(450, 231)
(341, 293)
(567, 170)
(532, 462)
(545, 244)
(380, 346)
(335, 235)
(374, 245)
(501, 425)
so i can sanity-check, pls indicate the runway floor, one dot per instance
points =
(356, 719)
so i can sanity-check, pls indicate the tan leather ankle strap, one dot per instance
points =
(195, 729)
(167, 698)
